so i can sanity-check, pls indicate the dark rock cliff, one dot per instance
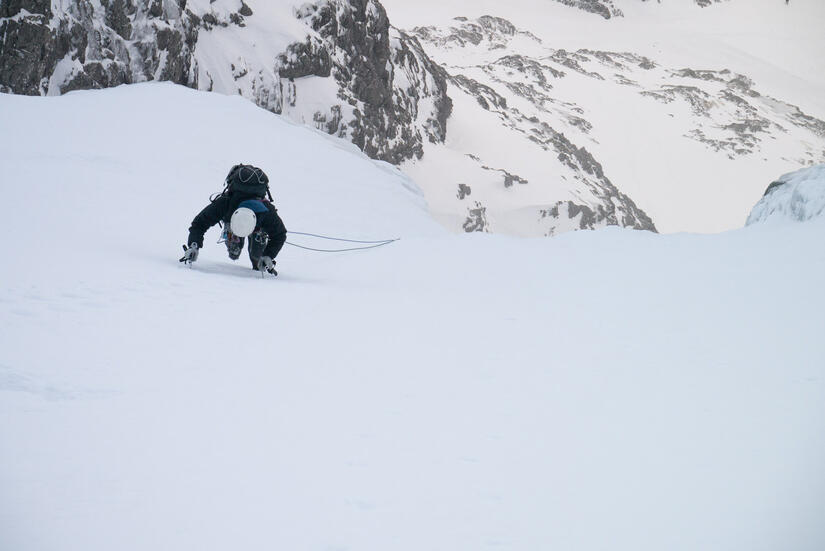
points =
(383, 83)
(42, 52)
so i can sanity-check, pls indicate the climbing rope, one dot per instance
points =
(370, 244)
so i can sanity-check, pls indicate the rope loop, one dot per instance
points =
(370, 244)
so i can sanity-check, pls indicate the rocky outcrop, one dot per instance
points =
(607, 9)
(705, 3)
(27, 52)
(495, 32)
(388, 97)
(476, 220)
(381, 73)
(81, 46)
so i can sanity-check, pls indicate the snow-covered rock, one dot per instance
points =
(56, 47)
(797, 196)
(608, 9)
(605, 8)
(725, 110)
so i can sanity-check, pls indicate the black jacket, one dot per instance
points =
(221, 209)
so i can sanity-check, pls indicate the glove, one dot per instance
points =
(191, 254)
(266, 263)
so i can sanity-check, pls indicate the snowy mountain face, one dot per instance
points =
(514, 195)
(797, 196)
(507, 124)
(607, 9)
(543, 98)
(373, 85)
(729, 114)
(337, 65)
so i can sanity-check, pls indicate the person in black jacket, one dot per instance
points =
(245, 213)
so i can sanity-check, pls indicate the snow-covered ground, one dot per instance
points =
(598, 390)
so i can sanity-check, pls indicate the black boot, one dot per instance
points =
(257, 244)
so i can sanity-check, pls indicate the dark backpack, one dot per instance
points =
(248, 180)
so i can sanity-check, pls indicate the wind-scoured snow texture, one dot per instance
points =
(596, 113)
(334, 64)
(609, 390)
(797, 196)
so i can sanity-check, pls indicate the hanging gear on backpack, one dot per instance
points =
(248, 180)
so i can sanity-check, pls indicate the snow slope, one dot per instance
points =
(611, 389)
